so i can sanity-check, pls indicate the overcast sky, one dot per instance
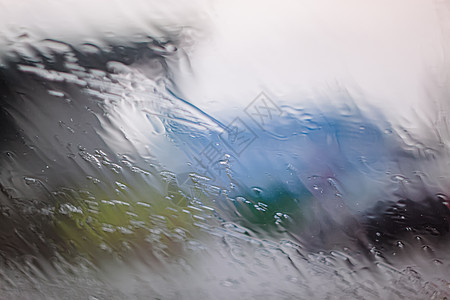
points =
(388, 49)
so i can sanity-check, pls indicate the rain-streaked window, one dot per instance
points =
(224, 149)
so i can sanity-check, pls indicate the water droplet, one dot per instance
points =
(228, 283)
(257, 191)
(31, 181)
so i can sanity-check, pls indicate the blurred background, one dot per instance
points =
(219, 150)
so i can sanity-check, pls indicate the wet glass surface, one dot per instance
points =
(224, 151)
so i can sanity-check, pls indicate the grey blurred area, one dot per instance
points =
(50, 125)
